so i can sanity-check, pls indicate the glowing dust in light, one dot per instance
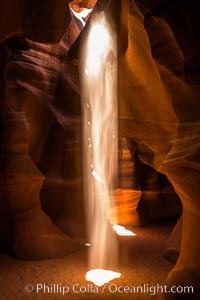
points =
(100, 138)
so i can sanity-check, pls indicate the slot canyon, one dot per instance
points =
(152, 220)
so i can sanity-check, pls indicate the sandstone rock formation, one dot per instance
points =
(38, 97)
(159, 108)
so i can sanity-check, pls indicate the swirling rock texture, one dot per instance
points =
(159, 108)
(40, 109)
(158, 111)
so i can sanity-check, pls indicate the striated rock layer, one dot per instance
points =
(159, 108)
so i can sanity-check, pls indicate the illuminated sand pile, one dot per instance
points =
(100, 277)
(99, 89)
(122, 231)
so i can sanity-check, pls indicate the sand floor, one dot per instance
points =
(141, 262)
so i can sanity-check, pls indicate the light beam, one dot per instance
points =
(99, 90)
